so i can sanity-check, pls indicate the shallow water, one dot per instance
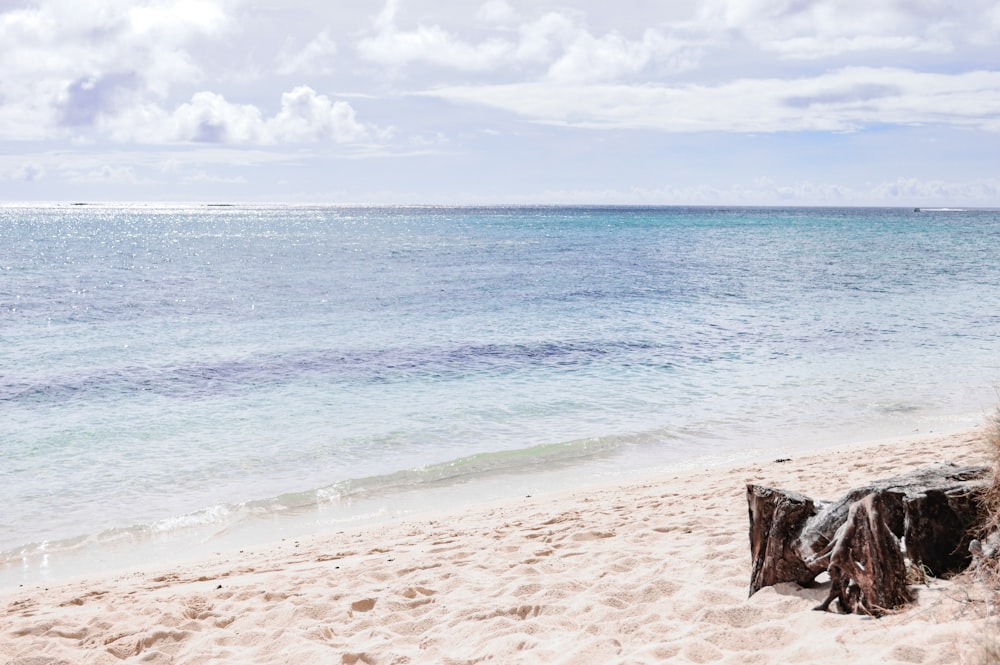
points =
(200, 374)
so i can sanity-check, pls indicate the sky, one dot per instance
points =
(676, 102)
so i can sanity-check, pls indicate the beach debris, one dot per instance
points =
(864, 539)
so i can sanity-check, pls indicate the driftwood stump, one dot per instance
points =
(860, 539)
(776, 518)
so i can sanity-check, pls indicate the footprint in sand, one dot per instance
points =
(363, 605)
(415, 591)
(198, 608)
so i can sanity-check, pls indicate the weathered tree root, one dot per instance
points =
(867, 569)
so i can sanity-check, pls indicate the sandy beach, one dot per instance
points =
(645, 572)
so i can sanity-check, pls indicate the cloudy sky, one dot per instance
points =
(851, 102)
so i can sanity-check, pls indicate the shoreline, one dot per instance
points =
(203, 534)
(639, 570)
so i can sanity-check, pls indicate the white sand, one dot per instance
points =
(640, 573)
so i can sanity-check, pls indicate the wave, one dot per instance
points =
(343, 502)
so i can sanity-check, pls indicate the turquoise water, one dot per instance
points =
(179, 374)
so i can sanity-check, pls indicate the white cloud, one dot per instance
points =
(496, 11)
(395, 48)
(559, 42)
(304, 117)
(568, 51)
(307, 117)
(314, 57)
(824, 28)
(571, 53)
(64, 62)
(209, 118)
(844, 100)
(612, 57)
(172, 21)
(542, 40)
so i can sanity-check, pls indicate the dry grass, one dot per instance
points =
(991, 497)
(988, 568)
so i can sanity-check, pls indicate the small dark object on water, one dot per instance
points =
(782, 459)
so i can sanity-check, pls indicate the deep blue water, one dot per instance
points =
(163, 367)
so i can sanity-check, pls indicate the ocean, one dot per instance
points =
(190, 378)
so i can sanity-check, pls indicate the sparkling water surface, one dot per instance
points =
(165, 369)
